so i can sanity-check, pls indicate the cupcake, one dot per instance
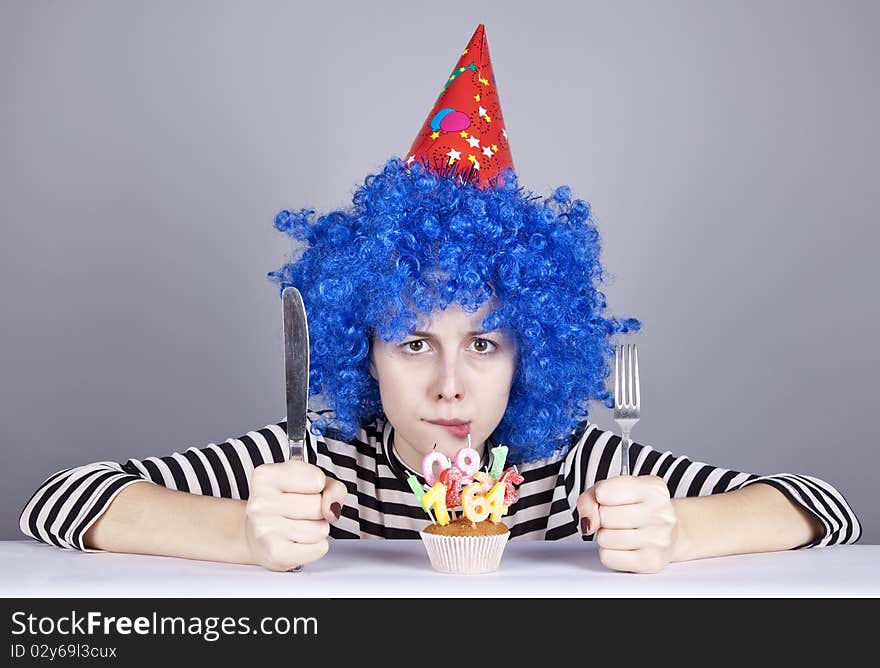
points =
(473, 542)
(465, 547)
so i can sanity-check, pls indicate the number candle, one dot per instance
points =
(467, 460)
(451, 477)
(436, 497)
(510, 477)
(486, 481)
(428, 462)
(414, 485)
(499, 456)
(495, 501)
(473, 503)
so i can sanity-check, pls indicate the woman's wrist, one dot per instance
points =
(681, 541)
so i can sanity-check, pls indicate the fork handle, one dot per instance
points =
(625, 442)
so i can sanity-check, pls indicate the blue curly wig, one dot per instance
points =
(415, 240)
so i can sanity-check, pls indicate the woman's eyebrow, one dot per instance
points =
(428, 335)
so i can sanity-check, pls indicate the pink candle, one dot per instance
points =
(428, 462)
(467, 460)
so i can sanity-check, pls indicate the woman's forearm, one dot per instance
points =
(757, 518)
(151, 519)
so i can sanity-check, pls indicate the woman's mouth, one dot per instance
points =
(459, 430)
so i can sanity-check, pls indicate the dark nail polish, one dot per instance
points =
(585, 526)
(336, 509)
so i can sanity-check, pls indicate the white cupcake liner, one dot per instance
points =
(464, 555)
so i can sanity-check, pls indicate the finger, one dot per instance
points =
(632, 561)
(333, 499)
(623, 539)
(622, 490)
(630, 516)
(588, 512)
(301, 506)
(286, 554)
(297, 476)
(305, 531)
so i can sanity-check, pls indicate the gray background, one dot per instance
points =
(729, 150)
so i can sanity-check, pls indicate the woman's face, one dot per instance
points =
(449, 369)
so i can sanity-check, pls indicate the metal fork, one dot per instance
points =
(627, 402)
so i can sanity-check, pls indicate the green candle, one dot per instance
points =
(499, 455)
(416, 487)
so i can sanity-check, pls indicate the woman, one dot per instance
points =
(514, 351)
(445, 293)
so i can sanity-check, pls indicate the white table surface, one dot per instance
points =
(377, 569)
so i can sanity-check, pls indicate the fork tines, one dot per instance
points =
(627, 396)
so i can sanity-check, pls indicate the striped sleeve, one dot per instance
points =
(596, 456)
(67, 503)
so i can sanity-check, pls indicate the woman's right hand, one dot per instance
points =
(288, 514)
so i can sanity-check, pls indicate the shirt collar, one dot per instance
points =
(402, 471)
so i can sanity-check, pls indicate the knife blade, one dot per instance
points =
(296, 373)
(296, 369)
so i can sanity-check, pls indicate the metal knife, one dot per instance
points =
(296, 371)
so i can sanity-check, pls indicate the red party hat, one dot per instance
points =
(464, 133)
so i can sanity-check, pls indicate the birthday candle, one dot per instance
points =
(428, 462)
(486, 481)
(451, 477)
(499, 455)
(436, 497)
(495, 501)
(473, 503)
(511, 477)
(414, 485)
(467, 460)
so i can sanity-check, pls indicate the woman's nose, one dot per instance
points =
(449, 383)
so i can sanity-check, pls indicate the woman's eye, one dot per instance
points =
(484, 345)
(481, 346)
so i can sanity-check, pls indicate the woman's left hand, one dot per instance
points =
(633, 520)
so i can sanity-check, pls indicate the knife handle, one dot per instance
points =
(297, 451)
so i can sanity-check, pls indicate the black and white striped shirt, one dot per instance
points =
(380, 503)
